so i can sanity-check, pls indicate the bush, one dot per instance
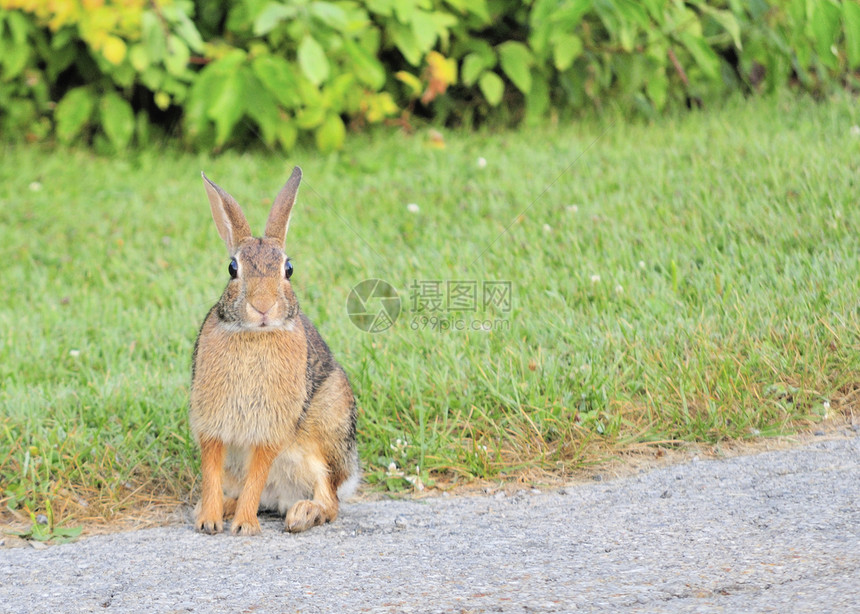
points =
(217, 74)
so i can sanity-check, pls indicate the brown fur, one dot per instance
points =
(272, 409)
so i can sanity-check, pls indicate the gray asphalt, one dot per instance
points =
(773, 532)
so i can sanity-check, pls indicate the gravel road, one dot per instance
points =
(773, 532)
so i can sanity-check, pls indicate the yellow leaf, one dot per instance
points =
(413, 82)
(162, 100)
(442, 68)
(114, 50)
(64, 12)
(377, 107)
(441, 72)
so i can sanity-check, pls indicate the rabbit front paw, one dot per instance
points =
(245, 527)
(210, 525)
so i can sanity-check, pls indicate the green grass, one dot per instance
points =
(694, 279)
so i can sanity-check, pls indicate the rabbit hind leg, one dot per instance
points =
(328, 459)
(323, 508)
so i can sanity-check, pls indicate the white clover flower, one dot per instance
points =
(854, 130)
(547, 228)
(482, 162)
(35, 186)
(413, 208)
(572, 208)
(74, 353)
(619, 288)
(595, 279)
(641, 264)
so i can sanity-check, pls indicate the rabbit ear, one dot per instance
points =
(228, 216)
(279, 216)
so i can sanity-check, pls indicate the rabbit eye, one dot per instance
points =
(288, 269)
(233, 269)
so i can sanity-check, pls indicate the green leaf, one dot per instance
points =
(851, 16)
(443, 22)
(632, 11)
(338, 92)
(655, 8)
(331, 134)
(15, 53)
(272, 15)
(330, 14)
(368, 69)
(824, 23)
(138, 57)
(516, 61)
(312, 60)
(478, 8)
(404, 10)
(704, 56)
(117, 119)
(727, 20)
(310, 117)
(276, 75)
(571, 13)
(424, 29)
(153, 36)
(73, 112)
(483, 49)
(567, 48)
(681, 19)
(266, 115)
(61, 57)
(627, 36)
(14, 60)
(492, 87)
(188, 31)
(178, 54)
(67, 532)
(226, 105)
(19, 26)
(473, 66)
(405, 41)
(380, 7)
(549, 17)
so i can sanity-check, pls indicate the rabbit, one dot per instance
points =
(271, 409)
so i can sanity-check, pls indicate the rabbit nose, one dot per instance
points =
(262, 308)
